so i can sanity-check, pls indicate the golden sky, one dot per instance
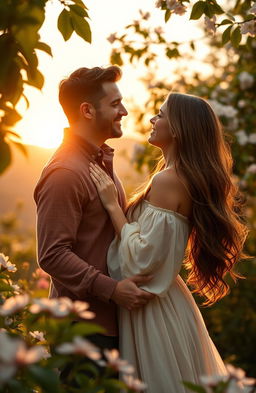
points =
(44, 121)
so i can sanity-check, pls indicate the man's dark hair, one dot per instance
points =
(85, 84)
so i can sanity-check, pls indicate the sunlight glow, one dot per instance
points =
(43, 122)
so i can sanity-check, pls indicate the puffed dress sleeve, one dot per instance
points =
(155, 245)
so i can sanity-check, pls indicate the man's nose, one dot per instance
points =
(123, 111)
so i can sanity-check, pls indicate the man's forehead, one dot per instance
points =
(111, 91)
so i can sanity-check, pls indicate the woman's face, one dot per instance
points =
(161, 135)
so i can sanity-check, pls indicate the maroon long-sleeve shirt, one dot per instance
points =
(74, 230)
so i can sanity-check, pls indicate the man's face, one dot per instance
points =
(110, 111)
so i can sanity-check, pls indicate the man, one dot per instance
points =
(74, 230)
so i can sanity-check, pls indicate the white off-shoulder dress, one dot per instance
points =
(166, 340)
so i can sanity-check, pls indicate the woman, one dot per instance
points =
(189, 212)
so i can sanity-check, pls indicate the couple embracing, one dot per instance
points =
(124, 258)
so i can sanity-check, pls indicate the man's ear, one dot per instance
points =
(87, 110)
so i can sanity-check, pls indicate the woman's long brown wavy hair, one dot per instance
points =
(204, 161)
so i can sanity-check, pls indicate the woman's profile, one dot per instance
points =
(188, 214)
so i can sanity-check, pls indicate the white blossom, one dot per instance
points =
(144, 15)
(242, 137)
(134, 384)
(241, 103)
(14, 304)
(55, 307)
(212, 380)
(251, 169)
(158, 3)
(248, 28)
(37, 335)
(115, 362)
(5, 264)
(14, 353)
(176, 6)
(159, 30)
(31, 355)
(246, 80)
(223, 110)
(16, 288)
(252, 10)
(210, 24)
(238, 375)
(252, 138)
(80, 346)
(78, 307)
(112, 38)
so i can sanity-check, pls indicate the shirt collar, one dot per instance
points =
(94, 151)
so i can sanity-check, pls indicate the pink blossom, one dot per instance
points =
(134, 384)
(42, 283)
(5, 264)
(249, 28)
(80, 346)
(251, 169)
(176, 6)
(37, 335)
(111, 38)
(210, 24)
(115, 362)
(53, 306)
(14, 304)
(252, 10)
(14, 353)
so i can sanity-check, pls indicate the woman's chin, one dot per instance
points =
(151, 140)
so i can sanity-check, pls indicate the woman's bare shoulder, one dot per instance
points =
(169, 191)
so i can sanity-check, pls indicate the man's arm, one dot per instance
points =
(60, 202)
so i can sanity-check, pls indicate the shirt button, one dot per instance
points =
(93, 156)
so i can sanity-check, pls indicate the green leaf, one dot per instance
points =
(4, 287)
(80, 3)
(172, 53)
(5, 155)
(36, 80)
(81, 27)
(197, 10)
(236, 37)
(11, 116)
(167, 15)
(79, 10)
(21, 147)
(65, 25)
(193, 387)
(85, 329)
(226, 22)
(46, 378)
(116, 58)
(13, 134)
(192, 45)
(44, 47)
(226, 35)
(209, 10)
(217, 9)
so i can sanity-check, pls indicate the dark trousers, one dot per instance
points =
(102, 342)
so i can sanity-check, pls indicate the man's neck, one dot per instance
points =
(87, 134)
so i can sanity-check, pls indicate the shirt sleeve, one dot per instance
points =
(60, 203)
(154, 245)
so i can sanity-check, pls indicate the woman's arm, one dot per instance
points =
(108, 195)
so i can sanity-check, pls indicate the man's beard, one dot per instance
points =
(107, 127)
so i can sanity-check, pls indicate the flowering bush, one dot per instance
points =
(38, 337)
(234, 382)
